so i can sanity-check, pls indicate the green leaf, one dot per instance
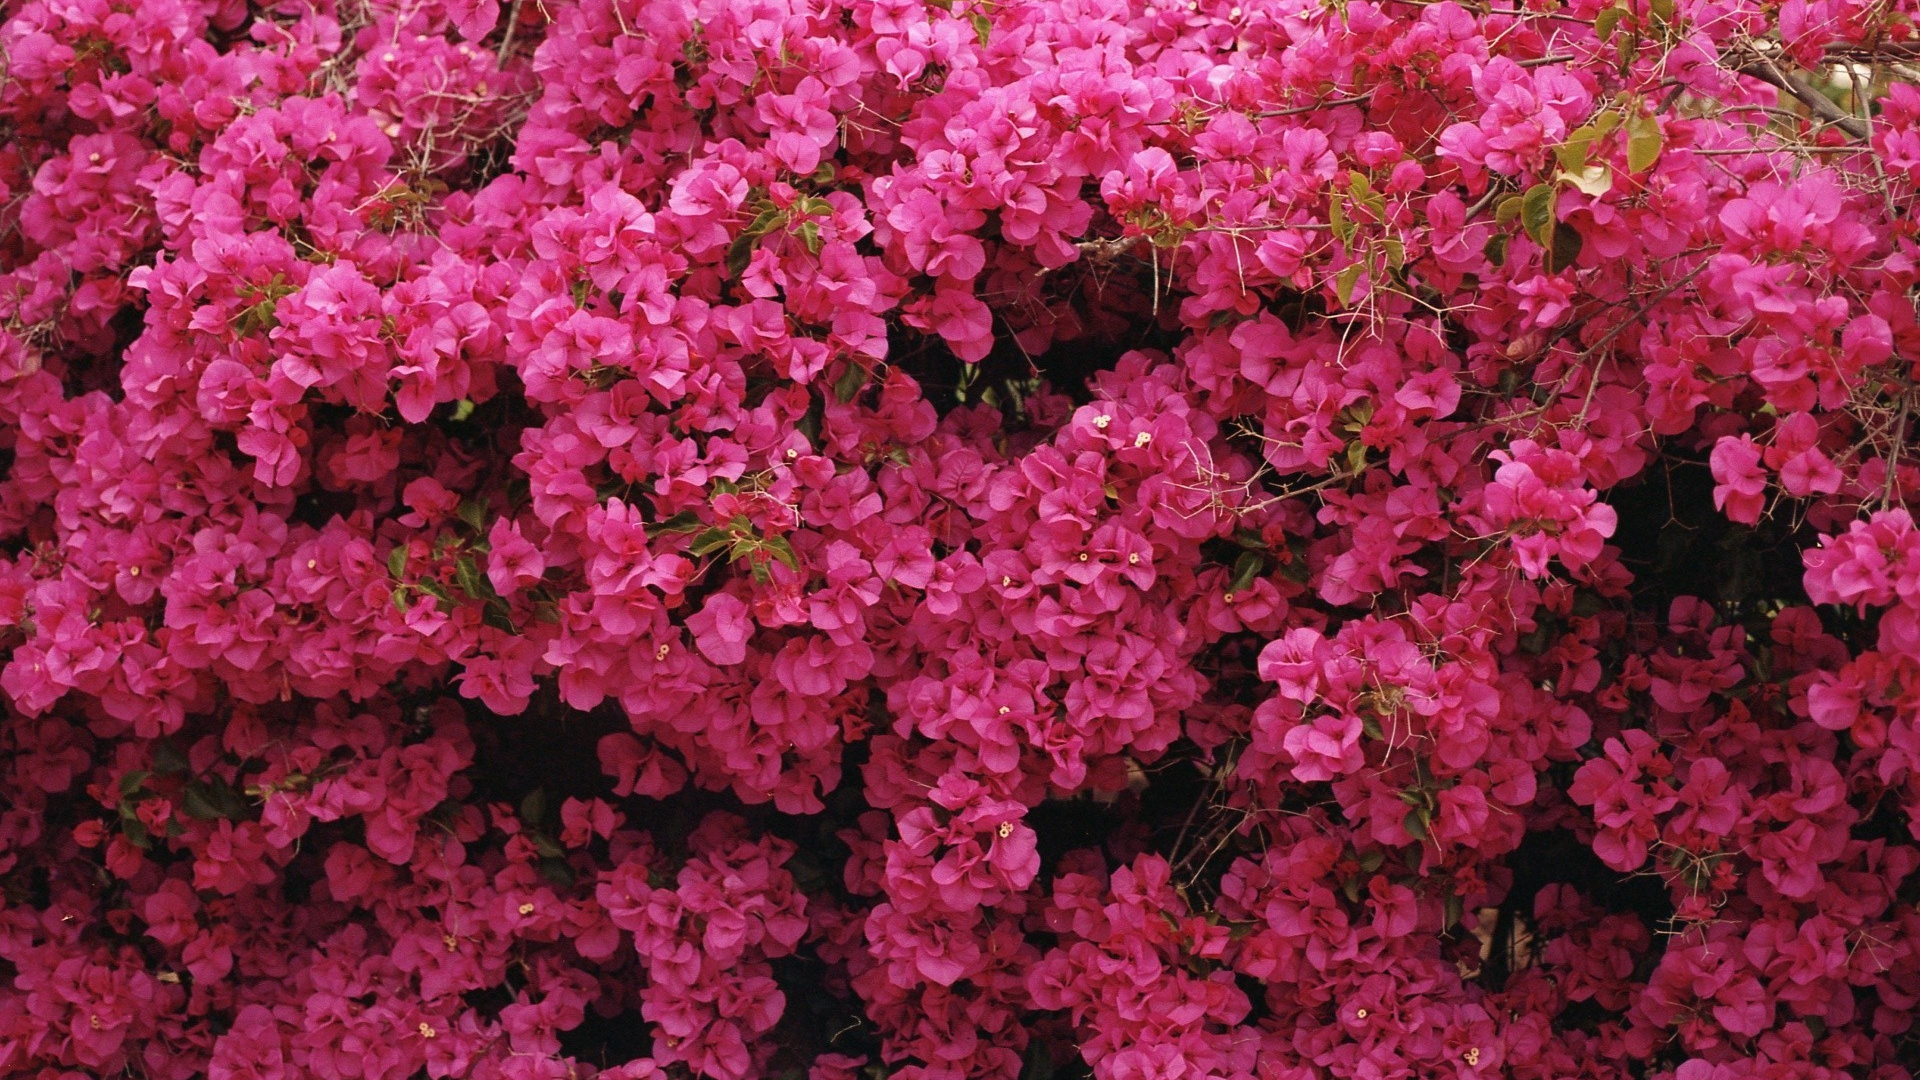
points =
(544, 844)
(1572, 154)
(167, 758)
(1245, 569)
(467, 575)
(709, 542)
(740, 253)
(685, 521)
(1605, 23)
(136, 832)
(498, 615)
(765, 221)
(809, 234)
(397, 561)
(1345, 281)
(1337, 220)
(1415, 823)
(982, 28)
(197, 805)
(1456, 911)
(1644, 142)
(533, 807)
(1536, 213)
(781, 549)
(557, 873)
(462, 410)
(1496, 249)
(850, 383)
(1371, 860)
(1370, 724)
(1565, 250)
(474, 513)
(1358, 184)
(132, 783)
(1508, 209)
(211, 799)
(437, 591)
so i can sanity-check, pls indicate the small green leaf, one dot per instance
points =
(1608, 21)
(764, 222)
(136, 832)
(467, 575)
(709, 542)
(1371, 860)
(1496, 249)
(1245, 569)
(782, 550)
(167, 758)
(212, 799)
(850, 383)
(739, 254)
(557, 873)
(1356, 456)
(1536, 213)
(397, 561)
(474, 513)
(1415, 823)
(982, 28)
(533, 807)
(437, 591)
(1337, 220)
(1644, 142)
(462, 410)
(1370, 724)
(1572, 154)
(196, 804)
(544, 844)
(131, 783)
(498, 615)
(1345, 281)
(1565, 250)
(1508, 209)
(685, 521)
(809, 234)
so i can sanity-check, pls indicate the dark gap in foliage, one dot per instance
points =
(607, 1041)
(1677, 544)
(1558, 857)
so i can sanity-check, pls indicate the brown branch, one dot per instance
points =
(1818, 103)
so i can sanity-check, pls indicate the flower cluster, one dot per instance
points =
(959, 540)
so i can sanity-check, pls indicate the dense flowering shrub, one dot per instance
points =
(959, 539)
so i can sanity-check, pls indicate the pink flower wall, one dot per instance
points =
(959, 539)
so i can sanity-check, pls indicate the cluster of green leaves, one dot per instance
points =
(795, 219)
(198, 798)
(468, 575)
